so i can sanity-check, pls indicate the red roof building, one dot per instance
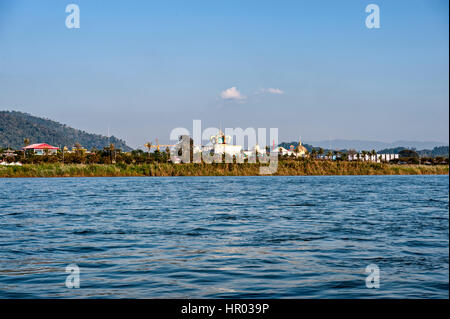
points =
(41, 148)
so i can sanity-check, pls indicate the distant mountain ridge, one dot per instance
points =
(432, 152)
(16, 126)
(436, 151)
(360, 145)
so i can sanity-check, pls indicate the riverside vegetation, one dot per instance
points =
(285, 167)
(113, 162)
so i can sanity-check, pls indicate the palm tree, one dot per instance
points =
(64, 149)
(314, 153)
(26, 142)
(374, 153)
(321, 151)
(78, 147)
(111, 150)
(364, 153)
(330, 154)
(148, 145)
(352, 153)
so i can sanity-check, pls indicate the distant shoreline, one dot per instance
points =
(285, 168)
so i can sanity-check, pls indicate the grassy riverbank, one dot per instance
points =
(305, 167)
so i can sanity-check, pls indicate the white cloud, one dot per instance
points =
(232, 94)
(272, 91)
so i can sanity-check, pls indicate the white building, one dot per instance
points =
(373, 158)
(221, 145)
(282, 151)
(256, 150)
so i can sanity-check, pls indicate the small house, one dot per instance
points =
(42, 149)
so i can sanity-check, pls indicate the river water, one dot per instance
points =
(225, 237)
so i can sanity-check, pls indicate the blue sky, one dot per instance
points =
(145, 67)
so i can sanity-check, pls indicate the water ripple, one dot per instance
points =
(225, 237)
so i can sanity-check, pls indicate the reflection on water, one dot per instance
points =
(219, 237)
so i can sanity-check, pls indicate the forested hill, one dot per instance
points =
(16, 126)
(437, 151)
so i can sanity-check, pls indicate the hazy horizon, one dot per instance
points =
(312, 69)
